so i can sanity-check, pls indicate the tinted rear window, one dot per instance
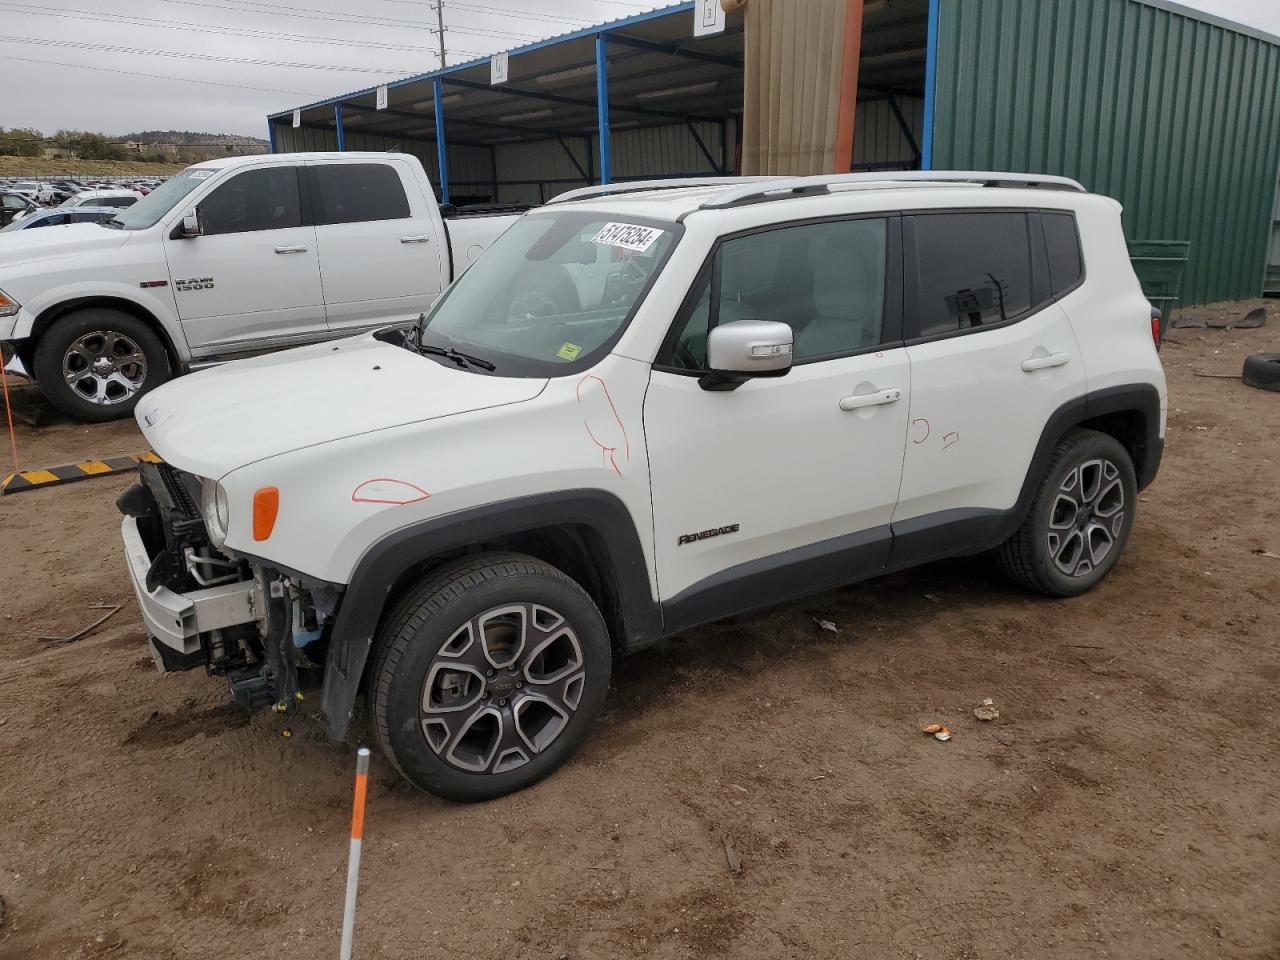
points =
(357, 193)
(1063, 242)
(975, 269)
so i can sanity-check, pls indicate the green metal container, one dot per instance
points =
(1171, 111)
(1160, 266)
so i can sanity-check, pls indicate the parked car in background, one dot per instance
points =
(228, 259)
(13, 205)
(104, 198)
(34, 190)
(61, 217)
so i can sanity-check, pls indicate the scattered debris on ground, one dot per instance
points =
(986, 711)
(938, 731)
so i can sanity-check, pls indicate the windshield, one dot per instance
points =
(148, 211)
(553, 292)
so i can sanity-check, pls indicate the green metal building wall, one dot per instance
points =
(1177, 118)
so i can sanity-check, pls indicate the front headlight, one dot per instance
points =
(8, 306)
(216, 510)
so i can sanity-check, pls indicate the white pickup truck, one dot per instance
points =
(227, 259)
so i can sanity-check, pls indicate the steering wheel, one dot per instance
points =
(532, 305)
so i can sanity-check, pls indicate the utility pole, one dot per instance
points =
(440, 22)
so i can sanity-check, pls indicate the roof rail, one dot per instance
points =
(783, 188)
(640, 186)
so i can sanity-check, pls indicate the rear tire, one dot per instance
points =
(1079, 521)
(488, 676)
(95, 364)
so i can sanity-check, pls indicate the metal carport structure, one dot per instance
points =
(630, 99)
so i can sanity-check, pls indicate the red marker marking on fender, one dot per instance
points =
(949, 439)
(927, 430)
(385, 490)
(604, 426)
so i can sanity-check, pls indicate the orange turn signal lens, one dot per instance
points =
(266, 504)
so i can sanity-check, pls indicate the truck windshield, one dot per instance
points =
(553, 293)
(148, 211)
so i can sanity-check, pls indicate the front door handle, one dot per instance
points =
(421, 238)
(1032, 364)
(297, 248)
(861, 401)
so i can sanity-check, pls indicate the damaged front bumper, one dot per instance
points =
(238, 618)
(175, 621)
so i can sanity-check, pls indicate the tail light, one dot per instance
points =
(1156, 319)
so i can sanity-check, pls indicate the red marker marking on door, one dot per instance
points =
(604, 426)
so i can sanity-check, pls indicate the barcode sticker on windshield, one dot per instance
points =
(628, 236)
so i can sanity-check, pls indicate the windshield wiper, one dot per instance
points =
(463, 360)
(115, 223)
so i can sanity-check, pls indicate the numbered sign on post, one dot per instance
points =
(708, 18)
(382, 97)
(297, 119)
(498, 68)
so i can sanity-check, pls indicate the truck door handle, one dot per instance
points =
(859, 402)
(1032, 364)
(421, 238)
(297, 248)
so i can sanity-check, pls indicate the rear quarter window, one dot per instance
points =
(1062, 240)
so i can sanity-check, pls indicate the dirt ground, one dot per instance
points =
(1124, 804)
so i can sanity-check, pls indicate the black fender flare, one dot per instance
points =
(963, 532)
(384, 563)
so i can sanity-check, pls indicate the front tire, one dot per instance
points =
(1079, 521)
(489, 675)
(95, 364)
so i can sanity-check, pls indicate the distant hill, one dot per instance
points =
(188, 138)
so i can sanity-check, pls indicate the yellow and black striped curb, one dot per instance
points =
(86, 469)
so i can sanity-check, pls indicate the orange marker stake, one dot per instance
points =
(8, 412)
(353, 864)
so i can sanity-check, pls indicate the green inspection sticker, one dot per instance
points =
(569, 351)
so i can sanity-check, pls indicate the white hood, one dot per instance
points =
(77, 239)
(221, 419)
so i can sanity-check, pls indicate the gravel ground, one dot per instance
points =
(1123, 805)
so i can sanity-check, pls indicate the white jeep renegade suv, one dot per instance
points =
(645, 408)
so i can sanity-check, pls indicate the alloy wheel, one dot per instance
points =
(1087, 517)
(502, 688)
(104, 367)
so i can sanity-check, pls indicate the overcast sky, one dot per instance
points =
(48, 46)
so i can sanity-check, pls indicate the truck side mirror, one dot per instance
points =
(190, 224)
(743, 349)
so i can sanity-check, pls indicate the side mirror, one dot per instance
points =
(745, 349)
(190, 226)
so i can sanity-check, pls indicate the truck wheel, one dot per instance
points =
(1079, 521)
(488, 675)
(96, 363)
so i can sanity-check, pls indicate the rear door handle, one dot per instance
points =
(861, 401)
(298, 248)
(1032, 364)
(422, 238)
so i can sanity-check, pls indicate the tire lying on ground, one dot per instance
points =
(1262, 370)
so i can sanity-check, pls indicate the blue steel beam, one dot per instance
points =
(441, 152)
(930, 86)
(602, 108)
(693, 132)
(337, 123)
